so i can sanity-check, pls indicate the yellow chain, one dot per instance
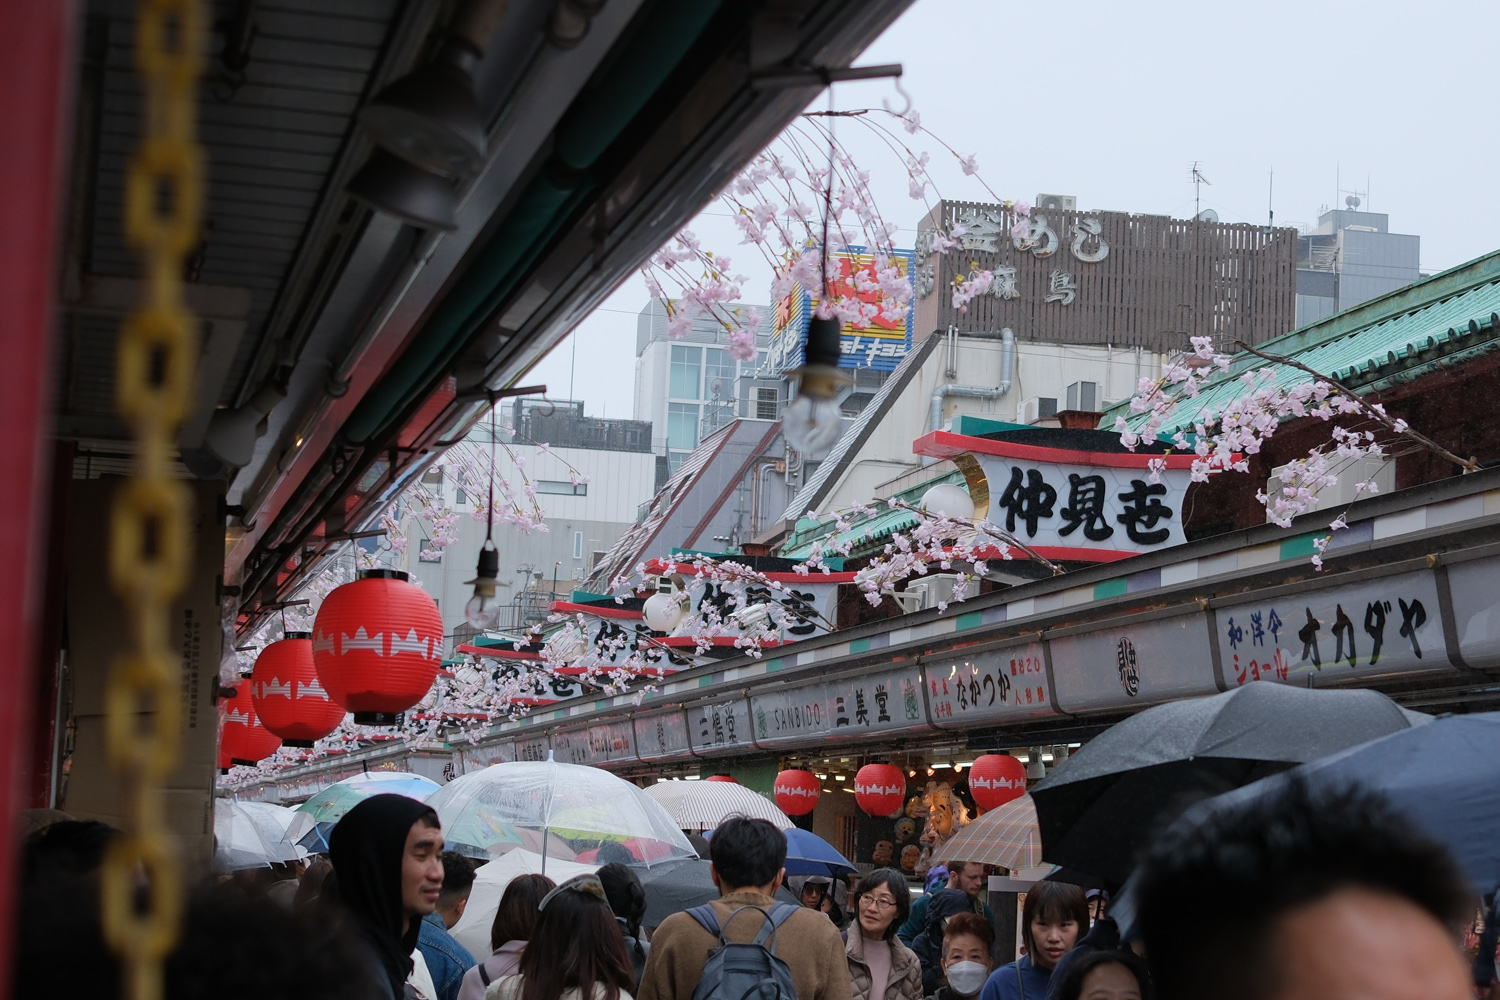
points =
(149, 542)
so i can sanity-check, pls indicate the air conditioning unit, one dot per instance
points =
(1036, 408)
(1351, 472)
(1057, 202)
(927, 592)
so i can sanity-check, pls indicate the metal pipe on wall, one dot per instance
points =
(946, 389)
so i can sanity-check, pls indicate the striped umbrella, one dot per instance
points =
(703, 805)
(1007, 836)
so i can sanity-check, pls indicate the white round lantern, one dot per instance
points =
(663, 612)
(948, 500)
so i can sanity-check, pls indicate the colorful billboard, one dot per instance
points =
(880, 345)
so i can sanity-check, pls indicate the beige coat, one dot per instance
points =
(906, 969)
(808, 943)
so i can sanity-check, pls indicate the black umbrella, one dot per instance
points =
(1097, 810)
(680, 885)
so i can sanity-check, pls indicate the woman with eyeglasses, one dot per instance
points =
(880, 966)
(576, 951)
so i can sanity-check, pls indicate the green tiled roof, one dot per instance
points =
(1437, 323)
(867, 533)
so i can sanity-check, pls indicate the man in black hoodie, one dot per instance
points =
(387, 855)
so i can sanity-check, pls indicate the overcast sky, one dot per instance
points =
(1113, 103)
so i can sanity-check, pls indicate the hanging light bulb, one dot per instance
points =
(484, 608)
(813, 422)
(663, 611)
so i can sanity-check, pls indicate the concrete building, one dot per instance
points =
(584, 519)
(1349, 258)
(992, 375)
(732, 486)
(689, 388)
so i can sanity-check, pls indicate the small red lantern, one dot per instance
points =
(243, 740)
(880, 789)
(377, 645)
(796, 791)
(995, 779)
(722, 777)
(288, 698)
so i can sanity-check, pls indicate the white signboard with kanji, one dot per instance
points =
(1133, 664)
(1318, 637)
(993, 686)
(1475, 587)
(661, 734)
(810, 601)
(719, 726)
(479, 758)
(1075, 505)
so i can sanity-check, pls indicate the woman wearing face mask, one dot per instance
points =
(880, 966)
(1054, 915)
(968, 942)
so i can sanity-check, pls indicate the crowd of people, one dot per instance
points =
(1333, 897)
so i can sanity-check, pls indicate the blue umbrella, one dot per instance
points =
(1444, 776)
(809, 854)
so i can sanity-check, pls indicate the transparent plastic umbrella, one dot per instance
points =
(248, 835)
(558, 810)
(316, 817)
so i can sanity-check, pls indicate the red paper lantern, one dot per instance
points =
(722, 777)
(243, 740)
(288, 697)
(880, 789)
(995, 779)
(796, 791)
(377, 645)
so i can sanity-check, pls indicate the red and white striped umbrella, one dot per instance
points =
(1006, 836)
(703, 805)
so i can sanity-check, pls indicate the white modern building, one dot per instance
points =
(589, 481)
(688, 388)
(1351, 257)
(994, 376)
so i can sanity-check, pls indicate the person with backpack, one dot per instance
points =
(746, 941)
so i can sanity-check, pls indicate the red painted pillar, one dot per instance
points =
(36, 72)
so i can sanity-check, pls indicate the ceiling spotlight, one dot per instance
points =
(418, 197)
(930, 772)
(431, 117)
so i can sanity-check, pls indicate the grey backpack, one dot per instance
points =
(745, 971)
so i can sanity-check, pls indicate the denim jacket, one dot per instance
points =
(447, 960)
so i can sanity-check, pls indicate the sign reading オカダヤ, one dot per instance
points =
(1390, 625)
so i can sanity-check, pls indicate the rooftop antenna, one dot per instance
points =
(1198, 179)
(1270, 206)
